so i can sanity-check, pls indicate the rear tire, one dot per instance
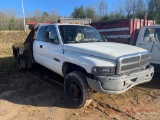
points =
(77, 89)
(21, 64)
(29, 65)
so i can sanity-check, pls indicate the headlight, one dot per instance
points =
(103, 70)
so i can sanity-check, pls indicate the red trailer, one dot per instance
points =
(122, 31)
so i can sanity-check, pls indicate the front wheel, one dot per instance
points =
(77, 89)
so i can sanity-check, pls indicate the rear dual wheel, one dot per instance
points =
(23, 65)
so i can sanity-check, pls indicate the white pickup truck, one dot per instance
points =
(149, 39)
(85, 59)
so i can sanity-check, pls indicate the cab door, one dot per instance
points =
(47, 49)
(38, 49)
(52, 50)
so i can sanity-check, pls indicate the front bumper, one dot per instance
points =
(120, 84)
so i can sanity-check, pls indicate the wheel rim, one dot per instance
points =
(74, 90)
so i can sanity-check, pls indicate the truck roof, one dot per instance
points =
(42, 24)
(152, 26)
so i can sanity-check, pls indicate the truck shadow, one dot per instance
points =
(36, 86)
(31, 87)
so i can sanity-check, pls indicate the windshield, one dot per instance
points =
(79, 34)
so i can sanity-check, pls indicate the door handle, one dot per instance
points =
(41, 46)
(140, 44)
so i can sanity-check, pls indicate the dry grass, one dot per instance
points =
(12, 36)
(7, 39)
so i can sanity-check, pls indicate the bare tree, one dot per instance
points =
(10, 18)
(140, 9)
(119, 13)
(29, 16)
(112, 15)
(2, 20)
(45, 17)
(54, 16)
(37, 15)
(10, 13)
(130, 6)
(102, 7)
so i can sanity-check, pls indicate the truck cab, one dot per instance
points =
(149, 39)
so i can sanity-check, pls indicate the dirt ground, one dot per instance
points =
(31, 95)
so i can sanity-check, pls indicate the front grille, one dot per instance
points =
(128, 60)
(145, 56)
(129, 67)
(133, 62)
(145, 62)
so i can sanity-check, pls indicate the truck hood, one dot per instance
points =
(107, 50)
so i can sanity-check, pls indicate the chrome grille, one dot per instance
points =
(144, 62)
(128, 60)
(133, 62)
(131, 66)
(145, 56)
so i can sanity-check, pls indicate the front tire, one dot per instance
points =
(77, 89)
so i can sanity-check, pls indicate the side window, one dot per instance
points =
(41, 33)
(52, 34)
(149, 35)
